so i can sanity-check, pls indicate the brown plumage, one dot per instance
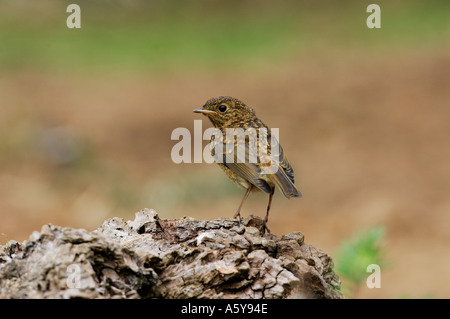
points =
(269, 166)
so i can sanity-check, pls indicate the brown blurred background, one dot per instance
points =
(86, 117)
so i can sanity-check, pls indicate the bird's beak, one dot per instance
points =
(203, 111)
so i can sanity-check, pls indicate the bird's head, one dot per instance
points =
(226, 110)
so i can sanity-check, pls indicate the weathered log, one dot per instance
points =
(156, 258)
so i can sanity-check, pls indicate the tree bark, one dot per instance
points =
(157, 258)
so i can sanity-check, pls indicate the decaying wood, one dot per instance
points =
(156, 258)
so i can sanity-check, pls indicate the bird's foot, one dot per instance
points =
(238, 217)
(265, 228)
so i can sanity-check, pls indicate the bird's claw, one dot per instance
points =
(238, 217)
(265, 227)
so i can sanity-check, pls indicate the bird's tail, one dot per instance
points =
(285, 184)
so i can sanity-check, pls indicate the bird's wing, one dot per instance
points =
(250, 172)
(277, 153)
(283, 174)
(241, 158)
(257, 161)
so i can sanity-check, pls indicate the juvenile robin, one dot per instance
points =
(269, 166)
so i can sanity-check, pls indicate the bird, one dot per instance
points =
(270, 166)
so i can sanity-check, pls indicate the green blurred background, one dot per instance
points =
(86, 117)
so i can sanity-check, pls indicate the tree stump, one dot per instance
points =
(163, 258)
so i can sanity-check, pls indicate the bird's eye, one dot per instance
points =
(222, 108)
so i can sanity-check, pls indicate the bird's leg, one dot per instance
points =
(238, 212)
(266, 219)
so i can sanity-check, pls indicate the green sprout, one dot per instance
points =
(7, 239)
(355, 254)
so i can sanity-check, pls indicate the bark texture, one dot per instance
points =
(151, 257)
